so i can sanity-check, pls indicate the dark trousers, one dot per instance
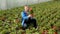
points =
(31, 21)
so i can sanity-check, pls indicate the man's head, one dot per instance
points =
(26, 8)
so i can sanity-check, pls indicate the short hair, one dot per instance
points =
(26, 6)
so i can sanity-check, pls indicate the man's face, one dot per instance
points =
(26, 8)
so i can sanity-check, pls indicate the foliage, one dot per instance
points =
(47, 15)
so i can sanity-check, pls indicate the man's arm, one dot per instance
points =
(24, 16)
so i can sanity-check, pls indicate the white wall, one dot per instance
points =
(4, 4)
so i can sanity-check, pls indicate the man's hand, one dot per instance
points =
(29, 16)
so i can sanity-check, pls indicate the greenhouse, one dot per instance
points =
(29, 16)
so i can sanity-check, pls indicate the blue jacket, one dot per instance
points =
(24, 16)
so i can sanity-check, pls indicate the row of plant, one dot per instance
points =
(47, 15)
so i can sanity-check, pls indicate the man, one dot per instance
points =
(27, 19)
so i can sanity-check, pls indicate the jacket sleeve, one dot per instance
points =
(24, 16)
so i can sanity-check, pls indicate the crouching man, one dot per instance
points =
(27, 19)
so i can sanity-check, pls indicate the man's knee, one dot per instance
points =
(34, 20)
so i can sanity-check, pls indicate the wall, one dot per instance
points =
(4, 4)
